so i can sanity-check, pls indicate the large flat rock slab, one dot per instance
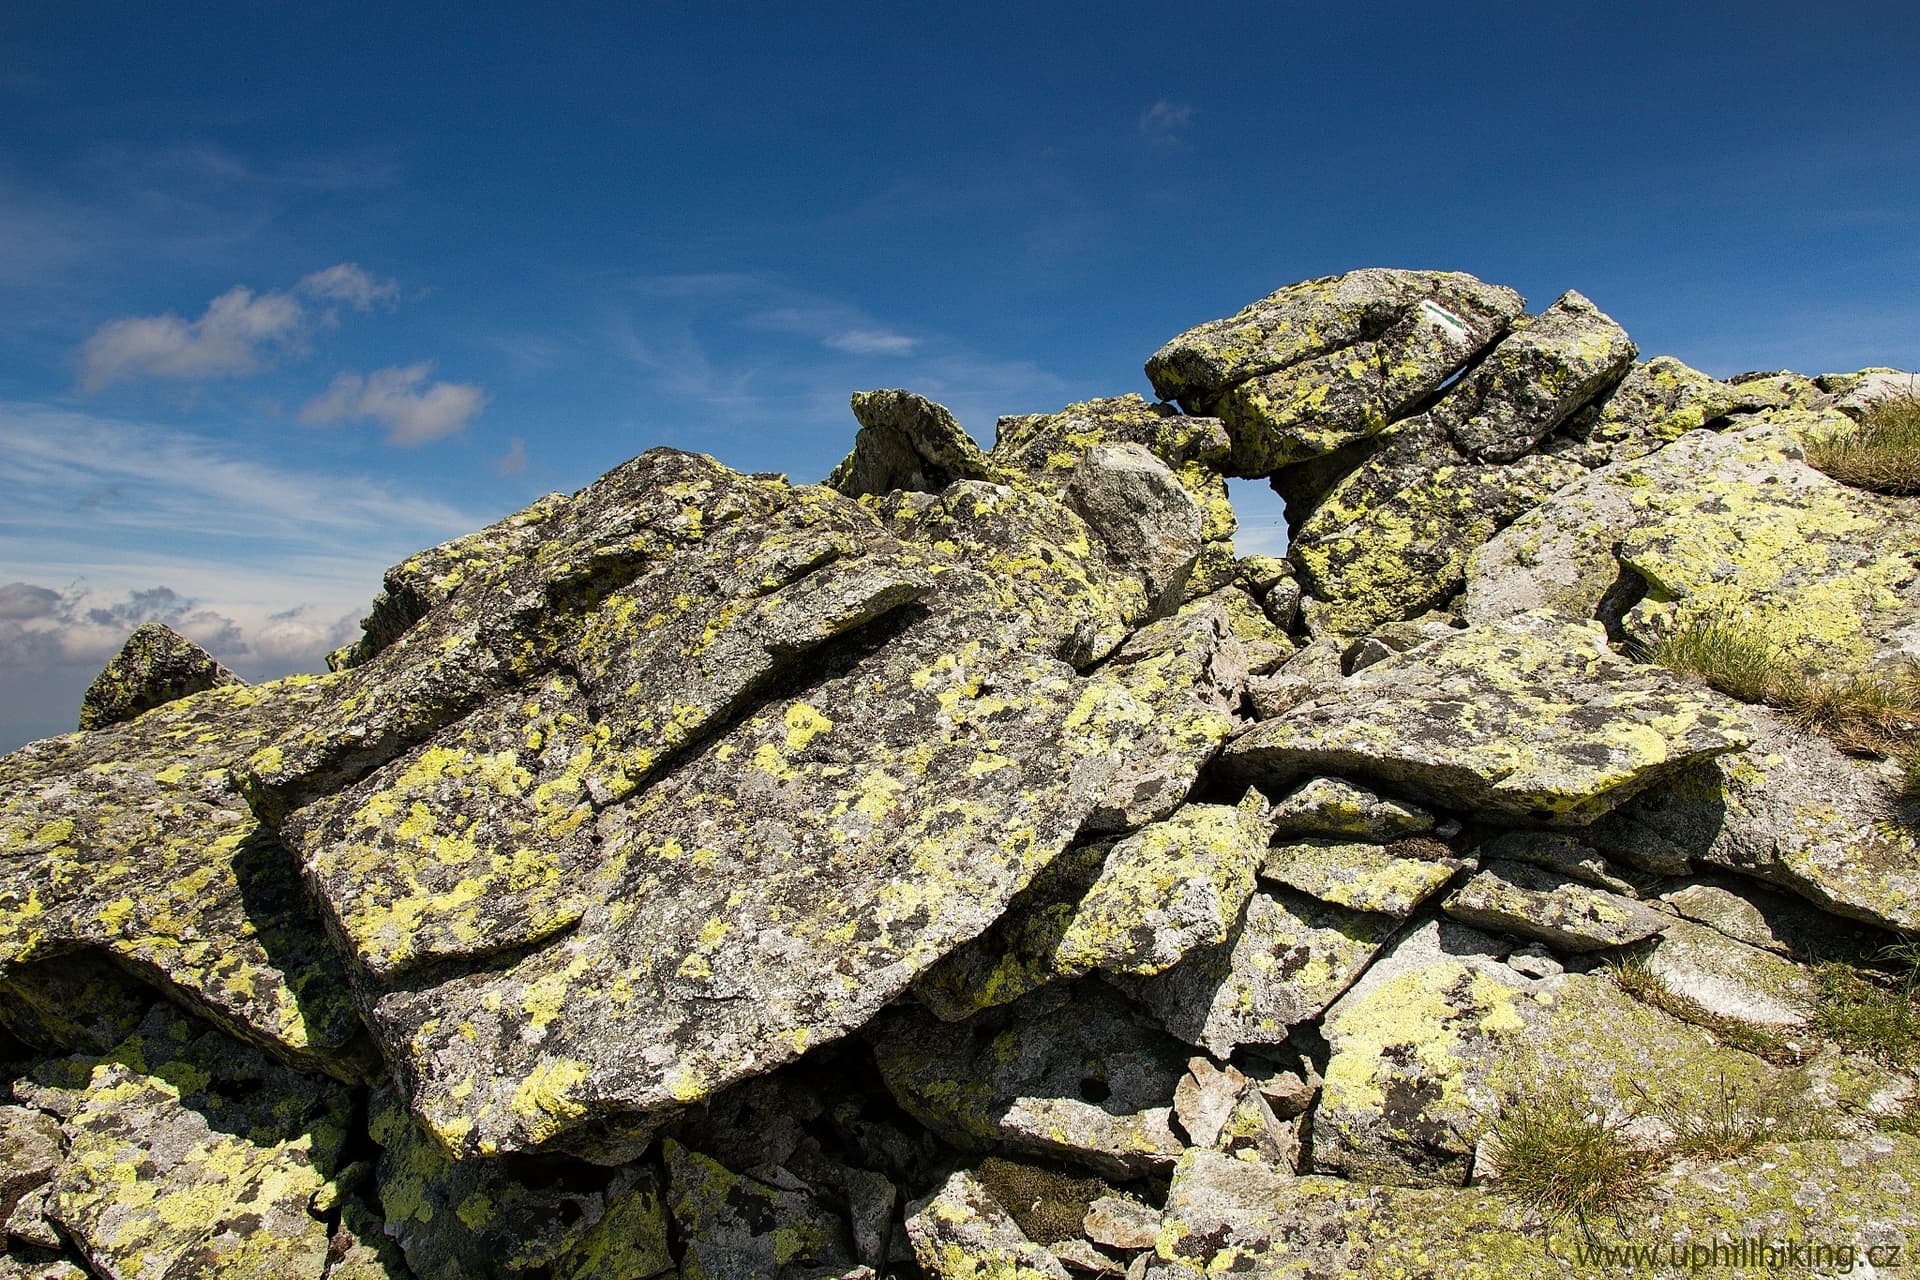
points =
(1529, 719)
(133, 843)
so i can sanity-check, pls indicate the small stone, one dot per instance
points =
(1364, 877)
(1348, 810)
(1121, 1222)
(1535, 961)
(1204, 1100)
(1556, 851)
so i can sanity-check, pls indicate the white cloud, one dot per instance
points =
(1163, 123)
(227, 341)
(514, 460)
(413, 410)
(872, 342)
(348, 282)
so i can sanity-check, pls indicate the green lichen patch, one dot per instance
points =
(190, 1154)
(1289, 958)
(1362, 877)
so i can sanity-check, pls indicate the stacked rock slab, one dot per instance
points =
(972, 866)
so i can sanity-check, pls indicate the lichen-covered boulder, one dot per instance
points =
(1180, 680)
(1428, 1046)
(1319, 364)
(1340, 809)
(1289, 958)
(1791, 810)
(1391, 537)
(1070, 1072)
(1716, 527)
(1655, 404)
(1166, 890)
(1390, 879)
(1149, 522)
(156, 665)
(1763, 1214)
(908, 442)
(1532, 718)
(1533, 902)
(457, 1219)
(31, 1153)
(960, 1232)
(133, 842)
(1547, 367)
(1730, 979)
(189, 1154)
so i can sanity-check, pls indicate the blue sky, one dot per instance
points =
(290, 291)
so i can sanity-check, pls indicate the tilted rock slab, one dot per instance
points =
(1528, 719)
(1793, 811)
(908, 442)
(133, 842)
(607, 865)
(1533, 902)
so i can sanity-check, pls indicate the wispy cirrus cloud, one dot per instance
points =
(412, 409)
(1165, 123)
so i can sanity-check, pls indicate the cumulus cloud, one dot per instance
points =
(514, 460)
(230, 340)
(413, 410)
(22, 602)
(1163, 123)
(350, 283)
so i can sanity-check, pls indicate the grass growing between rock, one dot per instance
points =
(1870, 713)
(1563, 1157)
(1881, 453)
(1644, 985)
(1873, 1012)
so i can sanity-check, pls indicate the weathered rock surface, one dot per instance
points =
(1094, 1088)
(157, 665)
(1791, 810)
(190, 1155)
(1528, 719)
(1321, 363)
(908, 442)
(961, 1232)
(1346, 810)
(1533, 902)
(1364, 877)
(132, 842)
(1716, 527)
(1731, 979)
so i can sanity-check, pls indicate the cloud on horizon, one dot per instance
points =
(348, 282)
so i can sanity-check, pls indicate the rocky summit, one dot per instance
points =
(972, 866)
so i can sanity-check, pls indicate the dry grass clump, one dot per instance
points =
(1881, 453)
(1873, 713)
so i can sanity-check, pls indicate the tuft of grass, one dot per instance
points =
(1729, 1124)
(1560, 1155)
(1873, 1012)
(1047, 1205)
(1874, 713)
(1881, 453)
